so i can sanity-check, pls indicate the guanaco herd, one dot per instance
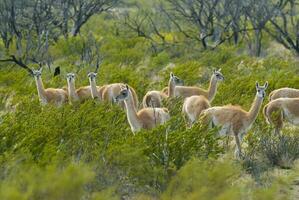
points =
(232, 120)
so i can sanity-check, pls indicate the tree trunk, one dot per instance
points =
(258, 42)
(75, 29)
(204, 43)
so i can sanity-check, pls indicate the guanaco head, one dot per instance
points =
(261, 90)
(37, 73)
(218, 75)
(123, 94)
(176, 80)
(92, 75)
(70, 77)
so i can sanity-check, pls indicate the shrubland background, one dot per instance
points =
(87, 151)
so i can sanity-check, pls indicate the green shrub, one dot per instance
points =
(51, 182)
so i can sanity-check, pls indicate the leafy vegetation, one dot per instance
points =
(88, 151)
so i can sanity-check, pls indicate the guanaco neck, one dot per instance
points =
(132, 114)
(171, 88)
(40, 88)
(72, 90)
(212, 88)
(93, 88)
(254, 110)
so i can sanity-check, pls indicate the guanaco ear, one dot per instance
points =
(214, 71)
(257, 84)
(219, 70)
(171, 75)
(127, 87)
(266, 85)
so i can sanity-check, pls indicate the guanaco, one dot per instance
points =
(96, 91)
(77, 95)
(109, 92)
(234, 120)
(49, 95)
(187, 91)
(282, 109)
(146, 118)
(194, 105)
(284, 93)
(154, 98)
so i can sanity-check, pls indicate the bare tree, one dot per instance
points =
(82, 10)
(5, 27)
(150, 24)
(194, 18)
(284, 24)
(18, 62)
(91, 51)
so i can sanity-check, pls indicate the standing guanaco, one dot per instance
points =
(284, 93)
(112, 90)
(195, 104)
(146, 118)
(282, 109)
(187, 91)
(154, 98)
(77, 95)
(49, 95)
(233, 119)
(96, 91)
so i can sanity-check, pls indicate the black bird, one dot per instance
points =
(57, 71)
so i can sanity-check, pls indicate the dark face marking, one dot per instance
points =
(92, 75)
(70, 76)
(37, 73)
(219, 76)
(261, 90)
(176, 80)
(122, 95)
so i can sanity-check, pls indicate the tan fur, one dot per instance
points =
(56, 96)
(78, 95)
(193, 107)
(99, 94)
(84, 93)
(96, 91)
(109, 92)
(233, 119)
(282, 109)
(50, 95)
(153, 99)
(284, 93)
(165, 90)
(198, 99)
(146, 118)
(101, 91)
(188, 91)
(151, 117)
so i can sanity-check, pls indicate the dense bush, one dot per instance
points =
(87, 151)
